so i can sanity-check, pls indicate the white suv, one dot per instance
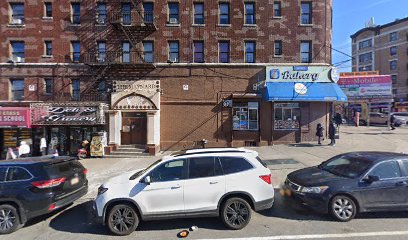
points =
(225, 182)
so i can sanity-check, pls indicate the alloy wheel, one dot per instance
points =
(343, 208)
(237, 213)
(7, 219)
(123, 219)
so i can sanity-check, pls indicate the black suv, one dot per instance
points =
(35, 186)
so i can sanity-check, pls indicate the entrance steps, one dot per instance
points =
(129, 151)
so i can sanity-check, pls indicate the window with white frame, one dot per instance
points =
(17, 13)
(245, 116)
(287, 116)
(365, 44)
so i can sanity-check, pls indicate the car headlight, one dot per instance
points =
(320, 189)
(102, 190)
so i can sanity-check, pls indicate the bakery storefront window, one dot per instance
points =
(245, 116)
(287, 116)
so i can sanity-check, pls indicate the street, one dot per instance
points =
(283, 221)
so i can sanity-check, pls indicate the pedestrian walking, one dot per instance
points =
(392, 122)
(43, 146)
(319, 132)
(23, 150)
(357, 118)
(332, 133)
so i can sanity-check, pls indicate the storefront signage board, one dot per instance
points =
(301, 74)
(367, 87)
(17, 117)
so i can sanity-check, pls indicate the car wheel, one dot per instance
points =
(236, 213)
(9, 221)
(122, 220)
(343, 208)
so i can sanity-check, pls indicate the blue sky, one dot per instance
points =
(349, 16)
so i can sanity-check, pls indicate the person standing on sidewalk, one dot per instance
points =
(332, 133)
(319, 132)
(392, 122)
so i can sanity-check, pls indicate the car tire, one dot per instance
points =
(235, 213)
(343, 208)
(122, 220)
(9, 219)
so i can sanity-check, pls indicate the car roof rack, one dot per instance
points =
(210, 150)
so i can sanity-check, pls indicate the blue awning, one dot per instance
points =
(319, 92)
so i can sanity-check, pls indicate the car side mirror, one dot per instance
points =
(371, 179)
(147, 180)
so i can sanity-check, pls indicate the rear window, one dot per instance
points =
(404, 166)
(17, 174)
(234, 164)
(3, 171)
(62, 168)
(261, 162)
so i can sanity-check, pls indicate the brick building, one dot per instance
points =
(167, 74)
(384, 48)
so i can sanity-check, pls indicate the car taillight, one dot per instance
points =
(266, 178)
(85, 171)
(52, 207)
(48, 183)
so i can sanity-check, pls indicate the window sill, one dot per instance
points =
(277, 56)
(223, 25)
(75, 25)
(250, 25)
(16, 25)
(47, 18)
(277, 17)
(100, 24)
(172, 24)
(198, 25)
(306, 25)
(47, 56)
(246, 130)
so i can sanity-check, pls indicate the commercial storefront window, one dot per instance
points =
(245, 116)
(287, 116)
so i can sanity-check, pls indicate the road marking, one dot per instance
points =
(320, 236)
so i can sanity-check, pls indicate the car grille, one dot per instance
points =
(292, 185)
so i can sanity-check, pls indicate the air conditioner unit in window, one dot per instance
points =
(17, 59)
(16, 21)
(101, 20)
(101, 60)
(173, 21)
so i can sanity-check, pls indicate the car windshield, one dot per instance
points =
(139, 173)
(346, 166)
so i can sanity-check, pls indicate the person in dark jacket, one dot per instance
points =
(319, 132)
(332, 133)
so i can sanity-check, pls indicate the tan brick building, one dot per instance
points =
(384, 48)
(172, 72)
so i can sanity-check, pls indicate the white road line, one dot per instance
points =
(320, 236)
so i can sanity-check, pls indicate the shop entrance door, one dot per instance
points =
(134, 128)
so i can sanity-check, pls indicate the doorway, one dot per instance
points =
(134, 128)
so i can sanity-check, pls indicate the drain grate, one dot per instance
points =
(281, 161)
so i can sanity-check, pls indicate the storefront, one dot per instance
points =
(66, 125)
(134, 118)
(15, 126)
(301, 97)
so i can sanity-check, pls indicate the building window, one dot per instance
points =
(224, 13)
(48, 85)
(394, 91)
(393, 50)
(306, 51)
(101, 13)
(393, 65)
(198, 51)
(277, 9)
(245, 116)
(101, 51)
(394, 79)
(174, 13)
(48, 48)
(365, 44)
(148, 9)
(148, 50)
(48, 9)
(17, 13)
(393, 36)
(76, 13)
(250, 13)
(250, 50)
(76, 51)
(126, 14)
(17, 51)
(287, 116)
(17, 89)
(174, 51)
(306, 15)
(102, 90)
(224, 52)
(126, 52)
(198, 13)
(76, 90)
(365, 58)
(278, 48)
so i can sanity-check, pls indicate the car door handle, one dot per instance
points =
(176, 187)
(402, 184)
(213, 182)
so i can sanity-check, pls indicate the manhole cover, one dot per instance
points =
(280, 161)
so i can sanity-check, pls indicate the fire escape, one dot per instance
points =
(119, 55)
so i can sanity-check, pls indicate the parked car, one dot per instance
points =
(352, 183)
(224, 182)
(401, 118)
(31, 187)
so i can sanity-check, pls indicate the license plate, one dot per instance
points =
(74, 181)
